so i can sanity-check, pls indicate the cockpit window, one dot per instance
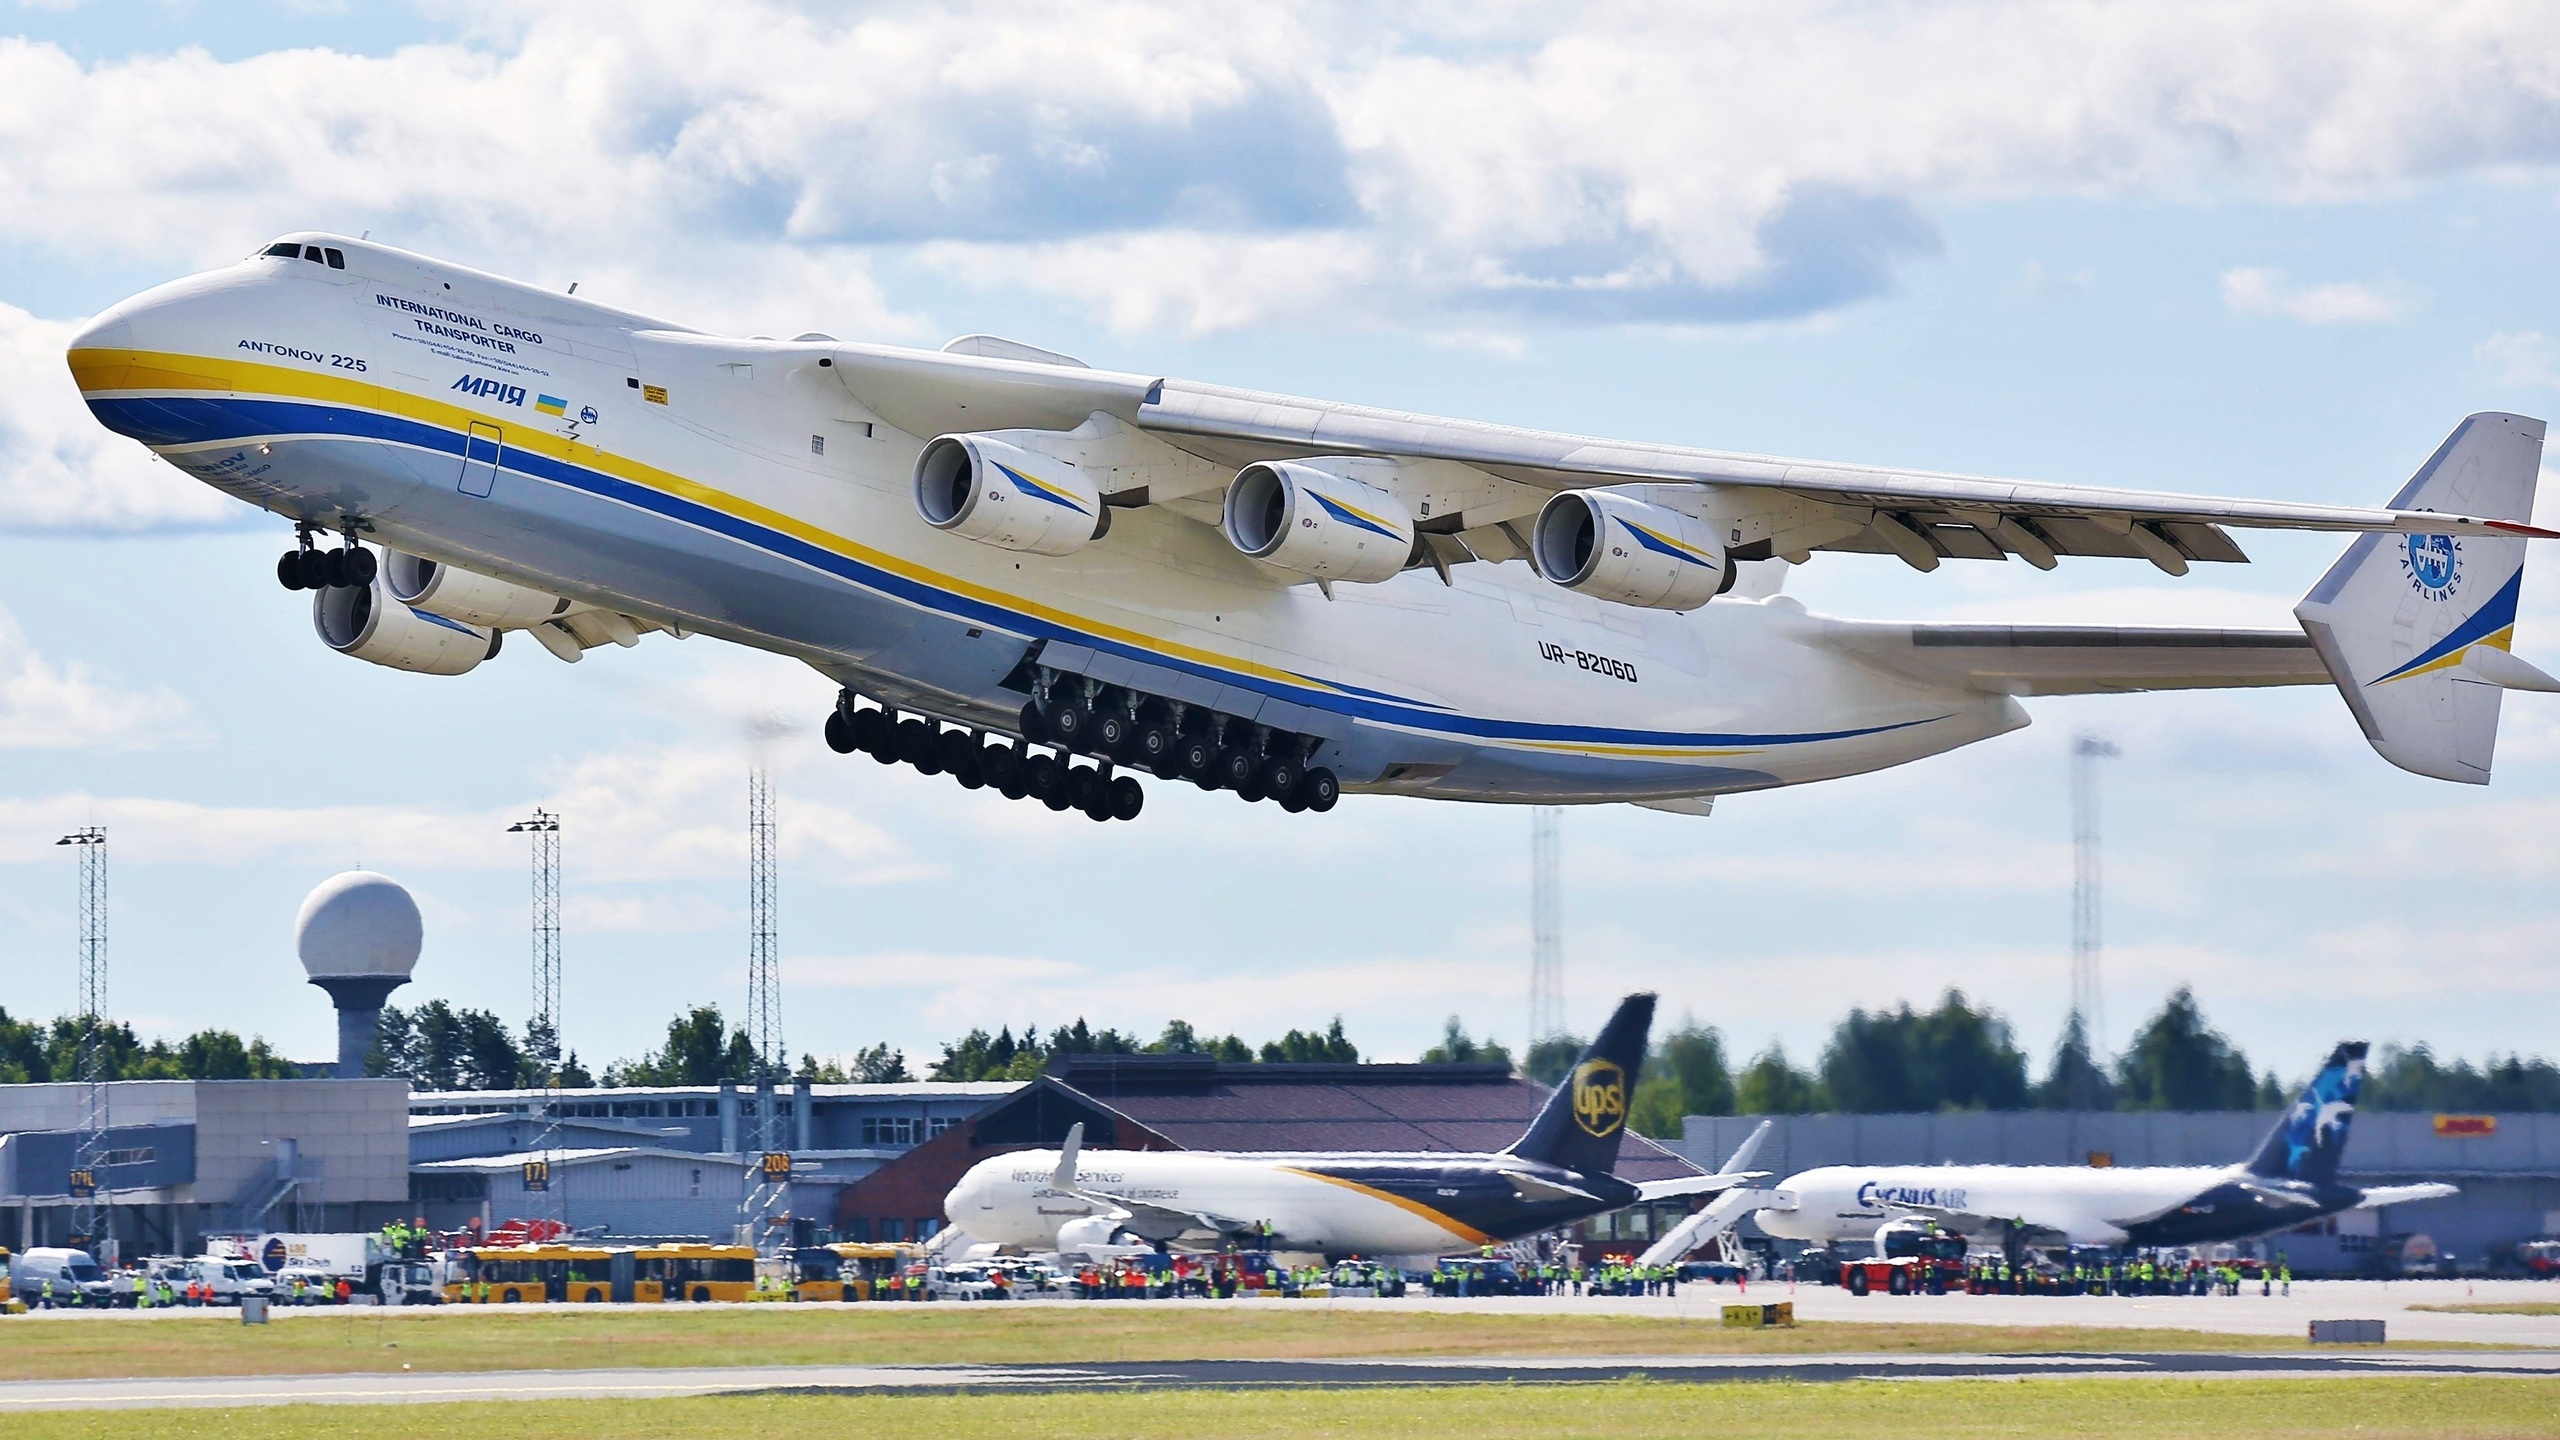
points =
(331, 256)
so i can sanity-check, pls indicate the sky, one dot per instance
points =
(2273, 250)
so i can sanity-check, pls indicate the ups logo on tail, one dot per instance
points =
(1599, 1097)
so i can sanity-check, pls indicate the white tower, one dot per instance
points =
(358, 935)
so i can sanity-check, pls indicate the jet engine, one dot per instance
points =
(1615, 547)
(472, 599)
(1300, 518)
(365, 621)
(998, 494)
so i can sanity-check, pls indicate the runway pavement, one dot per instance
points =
(412, 1389)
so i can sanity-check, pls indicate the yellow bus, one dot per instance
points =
(533, 1275)
(846, 1271)
(694, 1273)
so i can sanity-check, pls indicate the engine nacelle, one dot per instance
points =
(1316, 523)
(473, 599)
(1615, 547)
(366, 622)
(998, 494)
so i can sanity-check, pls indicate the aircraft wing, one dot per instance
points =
(2084, 659)
(1969, 1222)
(1160, 1222)
(1696, 1184)
(2378, 1196)
(1531, 1188)
(1920, 515)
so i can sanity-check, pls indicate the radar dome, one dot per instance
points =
(359, 924)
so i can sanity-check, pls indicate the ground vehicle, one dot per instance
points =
(1025, 1276)
(966, 1282)
(694, 1272)
(305, 1285)
(2541, 1258)
(1911, 1259)
(532, 1274)
(847, 1271)
(75, 1278)
(226, 1279)
(1476, 1275)
(410, 1282)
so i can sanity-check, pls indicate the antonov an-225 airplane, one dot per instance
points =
(997, 551)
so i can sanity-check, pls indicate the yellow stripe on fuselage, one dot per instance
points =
(1459, 1228)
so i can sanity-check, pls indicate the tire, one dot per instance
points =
(1193, 755)
(1071, 726)
(1153, 746)
(701, 1294)
(1280, 775)
(289, 570)
(838, 732)
(1001, 766)
(1320, 789)
(594, 1296)
(1099, 812)
(315, 569)
(1041, 776)
(1128, 797)
(1294, 803)
(1898, 1283)
(1251, 791)
(954, 749)
(333, 570)
(1236, 767)
(1856, 1284)
(917, 746)
(361, 566)
(1084, 784)
(511, 1296)
(1112, 732)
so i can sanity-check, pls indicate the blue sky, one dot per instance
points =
(2271, 250)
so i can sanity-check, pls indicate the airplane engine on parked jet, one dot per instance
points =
(1304, 519)
(1615, 547)
(985, 490)
(366, 622)
(473, 599)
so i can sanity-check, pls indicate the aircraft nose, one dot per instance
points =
(109, 329)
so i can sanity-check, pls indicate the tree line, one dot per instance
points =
(31, 1051)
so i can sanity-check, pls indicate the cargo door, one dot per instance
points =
(480, 459)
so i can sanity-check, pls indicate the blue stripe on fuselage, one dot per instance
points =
(197, 420)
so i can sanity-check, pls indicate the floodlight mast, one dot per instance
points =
(1546, 923)
(544, 827)
(2087, 911)
(90, 1217)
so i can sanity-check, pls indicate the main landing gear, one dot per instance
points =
(981, 761)
(307, 567)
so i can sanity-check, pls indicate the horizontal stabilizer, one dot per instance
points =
(2381, 1195)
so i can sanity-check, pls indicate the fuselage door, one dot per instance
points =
(480, 459)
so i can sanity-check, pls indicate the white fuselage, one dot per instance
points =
(740, 489)
(2092, 1206)
(1010, 1199)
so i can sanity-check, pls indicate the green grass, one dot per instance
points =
(564, 1338)
(2497, 1307)
(2370, 1409)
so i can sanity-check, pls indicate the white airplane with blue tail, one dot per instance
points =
(1043, 578)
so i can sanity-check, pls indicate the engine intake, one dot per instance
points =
(1615, 547)
(1317, 523)
(473, 599)
(998, 494)
(366, 622)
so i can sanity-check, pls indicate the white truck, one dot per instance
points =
(227, 1278)
(369, 1267)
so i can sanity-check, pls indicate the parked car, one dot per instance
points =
(228, 1279)
(963, 1282)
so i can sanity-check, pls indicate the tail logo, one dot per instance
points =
(1599, 1098)
(2433, 564)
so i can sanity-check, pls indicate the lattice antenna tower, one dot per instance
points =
(544, 827)
(2088, 885)
(89, 1142)
(1546, 923)
(764, 998)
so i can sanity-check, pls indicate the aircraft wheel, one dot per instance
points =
(1084, 783)
(1002, 768)
(1236, 767)
(1112, 732)
(1293, 802)
(1040, 775)
(361, 566)
(1153, 746)
(916, 746)
(839, 734)
(289, 570)
(314, 565)
(1321, 788)
(1128, 797)
(1035, 725)
(955, 749)
(1071, 726)
(1193, 755)
(1280, 775)
(1251, 790)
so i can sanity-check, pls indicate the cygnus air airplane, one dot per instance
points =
(997, 551)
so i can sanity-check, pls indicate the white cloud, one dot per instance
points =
(2250, 291)
(60, 469)
(2521, 357)
(44, 706)
(1195, 167)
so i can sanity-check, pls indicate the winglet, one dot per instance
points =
(1065, 1179)
(1743, 1152)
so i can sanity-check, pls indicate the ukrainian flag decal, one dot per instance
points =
(551, 405)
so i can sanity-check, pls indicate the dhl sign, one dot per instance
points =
(2465, 1127)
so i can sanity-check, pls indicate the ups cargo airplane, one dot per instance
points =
(998, 552)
